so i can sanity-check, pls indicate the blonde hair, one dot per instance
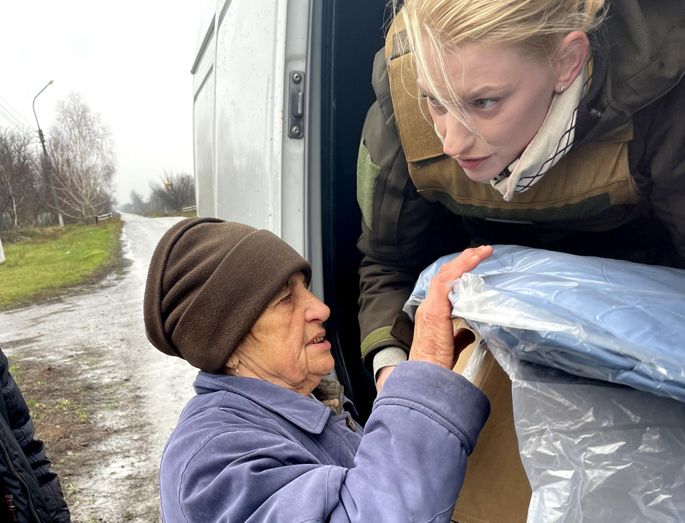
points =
(434, 28)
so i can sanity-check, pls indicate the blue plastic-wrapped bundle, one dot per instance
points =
(592, 451)
(611, 320)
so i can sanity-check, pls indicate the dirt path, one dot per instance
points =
(104, 401)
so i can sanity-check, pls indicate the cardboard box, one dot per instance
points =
(496, 488)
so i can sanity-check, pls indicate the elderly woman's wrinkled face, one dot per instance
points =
(505, 95)
(286, 345)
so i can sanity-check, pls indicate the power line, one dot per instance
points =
(9, 117)
(13, 110)
(18, 117)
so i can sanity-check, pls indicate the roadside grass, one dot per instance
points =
(159, 214)
(41, 263)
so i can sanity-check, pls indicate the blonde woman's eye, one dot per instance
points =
(433, 102)
(485, 104)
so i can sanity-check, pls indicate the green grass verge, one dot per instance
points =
(157, 214)
(49, 260)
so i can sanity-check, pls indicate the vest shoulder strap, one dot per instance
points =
(414, 124)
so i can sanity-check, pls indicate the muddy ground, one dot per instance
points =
(79, 421)
(103, 400)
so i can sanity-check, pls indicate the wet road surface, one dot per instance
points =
(97, 333)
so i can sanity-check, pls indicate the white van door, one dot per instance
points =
(249, 116)
(280, 91)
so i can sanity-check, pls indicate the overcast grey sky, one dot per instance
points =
(130, 61)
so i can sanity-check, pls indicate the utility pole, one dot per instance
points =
(47, 165)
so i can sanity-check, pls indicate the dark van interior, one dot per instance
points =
(351, 33)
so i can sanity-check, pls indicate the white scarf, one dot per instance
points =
(552, 141)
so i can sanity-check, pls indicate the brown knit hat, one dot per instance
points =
(208, 282)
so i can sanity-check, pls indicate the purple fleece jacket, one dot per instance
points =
(246, 450)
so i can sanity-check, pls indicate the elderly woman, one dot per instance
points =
(255, 444)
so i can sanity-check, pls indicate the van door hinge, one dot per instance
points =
(296, 99)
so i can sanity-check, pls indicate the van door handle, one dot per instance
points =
(296, 100)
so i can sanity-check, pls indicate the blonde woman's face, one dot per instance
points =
(505, 95)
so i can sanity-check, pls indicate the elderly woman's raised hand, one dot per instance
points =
(434, 339)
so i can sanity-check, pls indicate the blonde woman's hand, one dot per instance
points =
(434, 339)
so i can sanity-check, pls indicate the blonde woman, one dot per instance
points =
(549, 123)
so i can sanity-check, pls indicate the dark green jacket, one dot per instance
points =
(638, 63)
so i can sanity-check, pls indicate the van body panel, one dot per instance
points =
(245, 165)
(248, 168)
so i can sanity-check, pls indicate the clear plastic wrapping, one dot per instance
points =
(596, 353)
(594, 451)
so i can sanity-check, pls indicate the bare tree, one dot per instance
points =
(173, 192)
(19, 178)
(82, 160)
(136, 204)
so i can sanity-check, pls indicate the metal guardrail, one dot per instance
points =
(103, 217)
(190, 208)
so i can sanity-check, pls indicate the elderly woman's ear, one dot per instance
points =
(232, 364)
